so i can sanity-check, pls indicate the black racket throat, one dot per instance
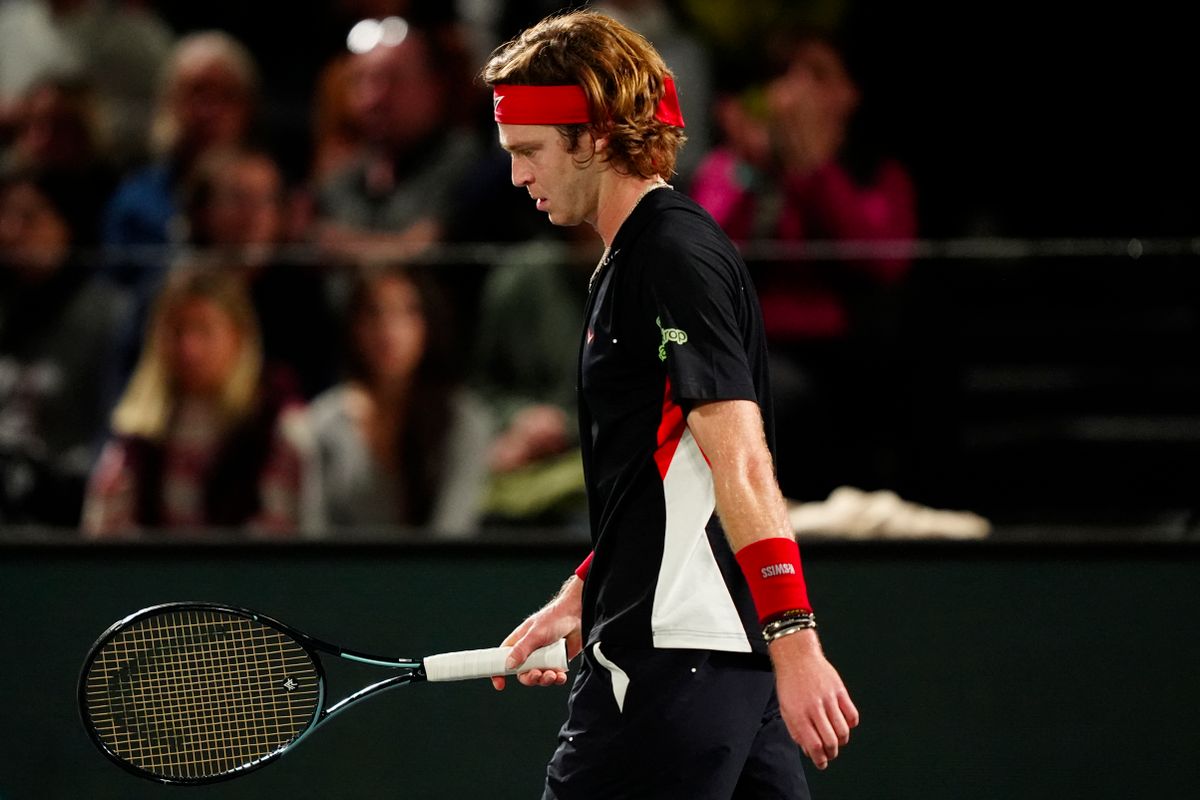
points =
(191, 693)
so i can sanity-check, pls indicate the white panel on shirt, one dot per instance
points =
(692, 605)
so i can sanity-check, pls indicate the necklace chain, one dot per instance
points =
(604, 259)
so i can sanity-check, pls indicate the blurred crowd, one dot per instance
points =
(229, 290)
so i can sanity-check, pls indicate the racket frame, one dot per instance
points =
(414, 671)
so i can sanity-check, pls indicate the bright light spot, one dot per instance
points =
(392, 31)
(364, 36)
(371, 33)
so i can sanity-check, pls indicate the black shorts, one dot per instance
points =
(674, 725)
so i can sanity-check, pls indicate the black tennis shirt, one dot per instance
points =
(672, 321)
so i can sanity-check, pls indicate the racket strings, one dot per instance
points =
(192, 694)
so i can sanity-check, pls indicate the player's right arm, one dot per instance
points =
(558, 619)
(813, 700)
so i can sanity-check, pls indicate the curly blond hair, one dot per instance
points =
(622, 76)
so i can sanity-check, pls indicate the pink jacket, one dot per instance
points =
(802, 300)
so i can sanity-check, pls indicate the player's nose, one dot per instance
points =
(521, 176)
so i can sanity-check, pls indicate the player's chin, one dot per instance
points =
(561, 219)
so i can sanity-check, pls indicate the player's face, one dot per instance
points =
(563, 184)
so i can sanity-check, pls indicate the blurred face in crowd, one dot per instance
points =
(390, 329)
(203, 346)
(245, 206)
(53, 131)
(34, 237)
(396, 94)
(212, 105)
(817, 69)
(561, 184)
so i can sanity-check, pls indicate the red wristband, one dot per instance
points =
(772, 569)
(583, 569)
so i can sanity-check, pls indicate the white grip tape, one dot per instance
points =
(466, 665)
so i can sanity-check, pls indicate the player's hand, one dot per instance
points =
(814, 702)
(558, 619)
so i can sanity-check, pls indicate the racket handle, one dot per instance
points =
(466, 665)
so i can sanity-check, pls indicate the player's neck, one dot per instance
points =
(618, 197)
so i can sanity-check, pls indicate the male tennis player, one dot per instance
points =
(675, 611)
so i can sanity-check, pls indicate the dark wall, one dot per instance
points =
(981, 671)
(1036, 118)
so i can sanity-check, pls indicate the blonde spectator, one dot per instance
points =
(234, 206)
(401, 443)
(202, 438)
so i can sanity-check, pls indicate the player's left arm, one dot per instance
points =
(816, 707)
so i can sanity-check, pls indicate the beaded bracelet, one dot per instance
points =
(789, 623)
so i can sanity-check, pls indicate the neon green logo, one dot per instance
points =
(674, 335)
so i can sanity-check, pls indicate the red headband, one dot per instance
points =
(565, 105)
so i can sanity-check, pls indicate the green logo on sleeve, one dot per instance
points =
(669, 335)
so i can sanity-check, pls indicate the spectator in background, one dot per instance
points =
(791, 170)
(119, 45)
(401, 443)
(397, 196)
(57, 328)
(337, 134)
(202, 438)
(236, 214)
(786, 172)
(207, 99)
(525, 366)
(60, 134)
(686, 57)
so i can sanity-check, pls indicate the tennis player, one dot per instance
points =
(694, 578)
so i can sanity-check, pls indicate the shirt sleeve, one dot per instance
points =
(700, 309)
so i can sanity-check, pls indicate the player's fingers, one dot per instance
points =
(824, 729)
(841, 728)
(517, 632)
(521, 648)
(498, 681)
(543, 677)
(810, 743)
(551, 677)
(849, 710)
(531, 678)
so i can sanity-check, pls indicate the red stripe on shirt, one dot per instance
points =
(670, 431)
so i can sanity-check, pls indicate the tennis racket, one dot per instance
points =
(191, 693)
